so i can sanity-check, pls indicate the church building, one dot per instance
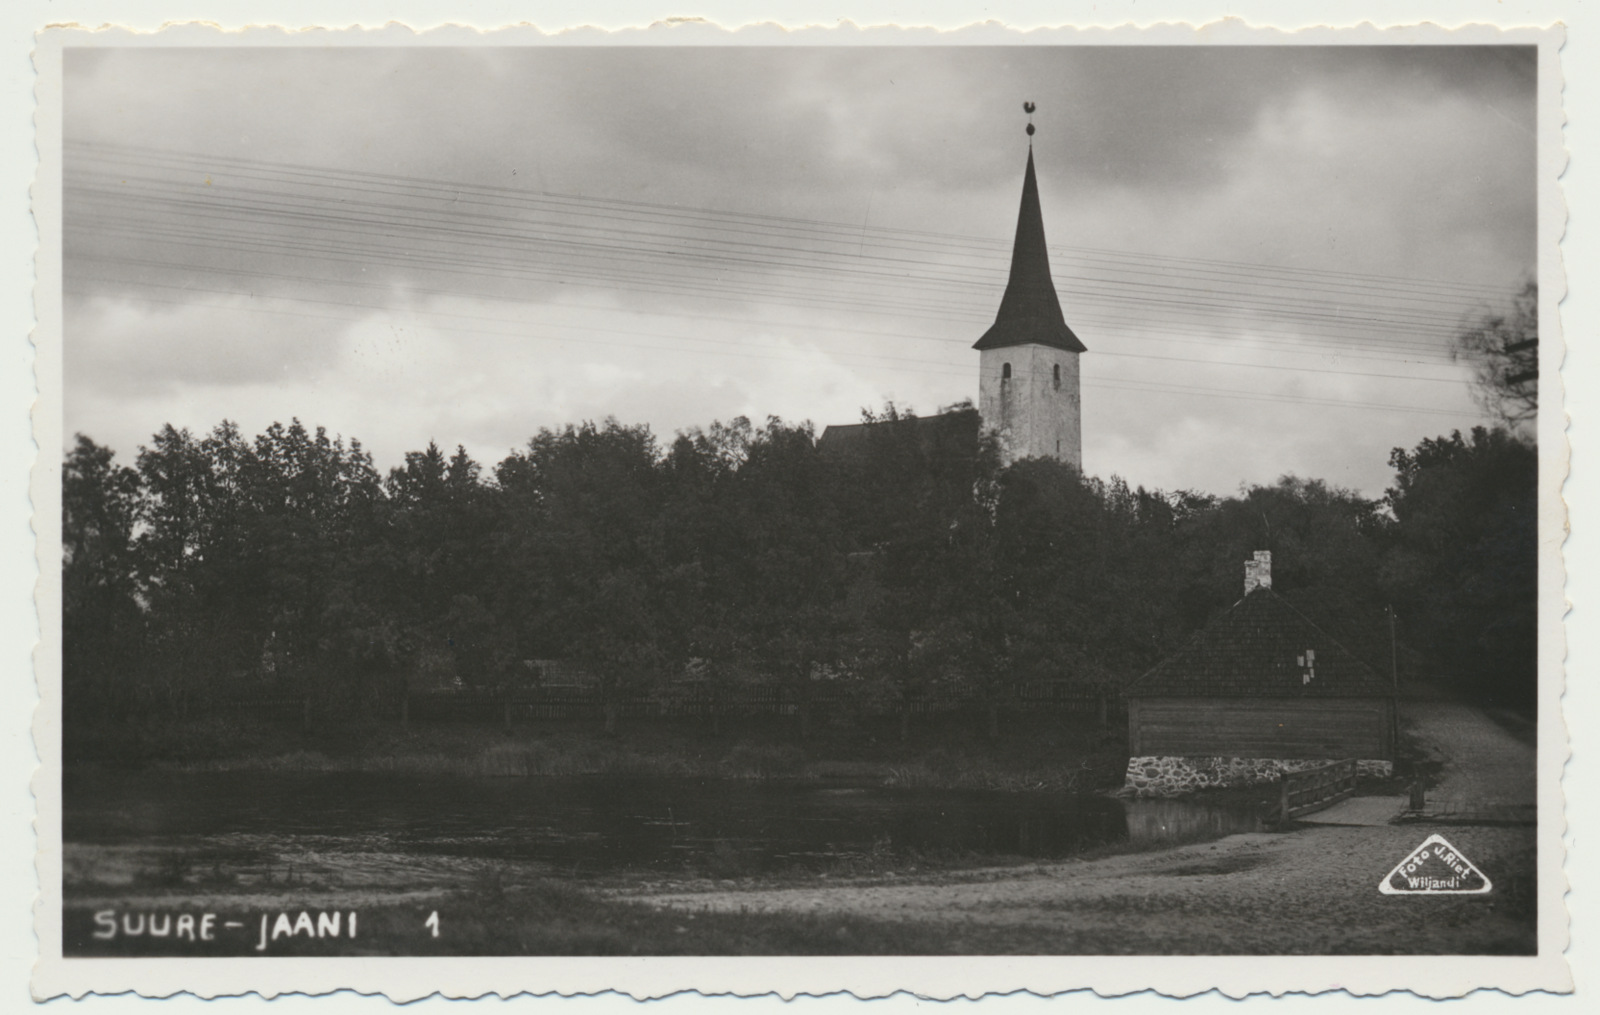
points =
(1027, 361)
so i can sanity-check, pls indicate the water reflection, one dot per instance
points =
(1183, 820)
(584, 826)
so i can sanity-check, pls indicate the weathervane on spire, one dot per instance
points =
(1028, 107)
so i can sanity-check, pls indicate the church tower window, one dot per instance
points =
(1005, 371)
(1058, 382)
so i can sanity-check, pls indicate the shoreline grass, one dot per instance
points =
(945, 755)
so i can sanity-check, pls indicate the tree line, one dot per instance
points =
(220, 566)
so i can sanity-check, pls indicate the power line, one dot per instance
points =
(852, 231)
(657, 260)
(1153, 386)
(515, 321)
(1343, 347)
(1257, 270)
(1168, 334)
(235, 241)
(348, 212)
(853, 239)
(994, 258)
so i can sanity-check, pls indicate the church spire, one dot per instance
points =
(1030, 312)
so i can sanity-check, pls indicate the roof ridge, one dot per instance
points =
(1201, 633)
(1233, 642)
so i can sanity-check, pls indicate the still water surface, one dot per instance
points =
(587, 826)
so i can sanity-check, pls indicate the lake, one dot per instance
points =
(157, 830)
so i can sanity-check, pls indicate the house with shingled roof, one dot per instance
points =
(1262, 690)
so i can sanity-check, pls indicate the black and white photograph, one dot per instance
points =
(806, 500)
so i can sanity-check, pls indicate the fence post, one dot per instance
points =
(508, 714)
(1283, 797)
(405, 710)
(305, 713)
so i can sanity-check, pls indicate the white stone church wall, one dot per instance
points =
(1035, 417)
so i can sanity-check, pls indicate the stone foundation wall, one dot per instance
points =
(1172, 776)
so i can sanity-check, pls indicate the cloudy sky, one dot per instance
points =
(1266, 250)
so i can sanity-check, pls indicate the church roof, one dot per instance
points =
(952, 434)
(1262, 647)
(1030, 312)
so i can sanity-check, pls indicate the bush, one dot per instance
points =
(765, 761)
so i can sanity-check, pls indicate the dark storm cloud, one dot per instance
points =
(618, 118)
(1378, 161)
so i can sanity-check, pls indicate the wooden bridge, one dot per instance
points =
(1326, 796)
(1315, 789)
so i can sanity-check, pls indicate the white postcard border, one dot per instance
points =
(407, 978)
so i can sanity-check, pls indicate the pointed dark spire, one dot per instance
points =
(1030, 312)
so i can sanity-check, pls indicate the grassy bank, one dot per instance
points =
(1063, 752)
(1308, 892)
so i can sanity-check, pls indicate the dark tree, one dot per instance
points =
(102, 623)
(897, 562)
(1463, 567)
(1503, 349)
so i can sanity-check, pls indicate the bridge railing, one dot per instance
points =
(1312, 789)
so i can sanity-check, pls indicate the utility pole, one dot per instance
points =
(1394, 676)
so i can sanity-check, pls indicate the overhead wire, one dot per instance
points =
(994, 259)
(1167, 334)
(1255, 271)
(743, 352)
(667, 263)
(639, 245)
(944, 282)
(237, 240)
(853, 231)
(564, 324)
(1109, 324)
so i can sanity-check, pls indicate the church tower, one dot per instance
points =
(1028, 359)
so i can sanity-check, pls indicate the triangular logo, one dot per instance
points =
(1435, 868)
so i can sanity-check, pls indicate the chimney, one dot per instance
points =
(1258, 572)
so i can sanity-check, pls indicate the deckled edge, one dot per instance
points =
(1547, 972)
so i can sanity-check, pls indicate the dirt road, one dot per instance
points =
(1485, 771)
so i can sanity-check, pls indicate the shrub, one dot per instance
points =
(765, 761)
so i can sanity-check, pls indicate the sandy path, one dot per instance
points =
(1310, 891)
(1485, 770)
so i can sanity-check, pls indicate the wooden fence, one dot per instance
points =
(1310, 790)
(277, 707)
(579, 703)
